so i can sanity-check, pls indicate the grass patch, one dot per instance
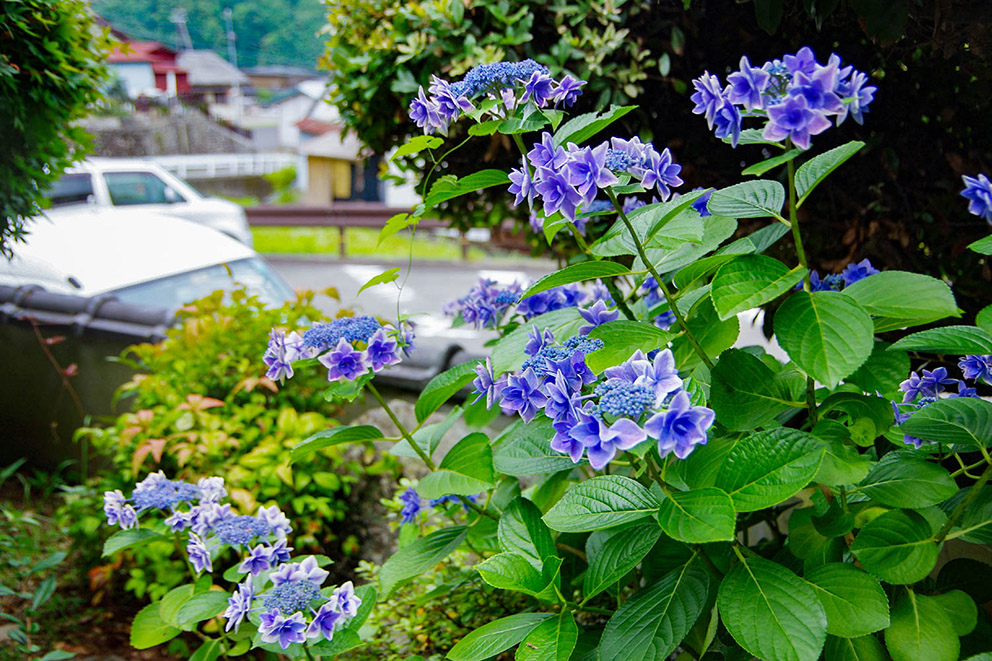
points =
(361, 242)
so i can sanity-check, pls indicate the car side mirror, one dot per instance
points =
(171, 196)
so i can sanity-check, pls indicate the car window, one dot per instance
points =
(135, 188)
(71, 189)
(178, 290)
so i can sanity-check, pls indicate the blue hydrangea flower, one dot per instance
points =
(977, 367)
(276, 628)
(664, 320)
(561, 398)
(708, 96)
(307, 570)
(344, 600)
(211, 489)
(486, 384)
(282, 350)
(522, 394)
(118, 511)
(344, 362)
(382, 351)
(854, 272)
(586, 170)
(900, 418)
(448, 99)
(632, 203)
(727, 122)
(930, 384)
(280, 551)
(596, 315)
(857, 95)
(681, 428)
(545, 154)
(493, 77)
(557, 194)
(659, 374)
(539, 88)
(794, 119)
(602, 441)
(485, 303)
(258, 560)
(521, 185)
(701, 202)
(199, 555)
(239, 605)
(411, 505)
(277, 521)
(180, 520)
(965, 391)
(747, 86)
(803, 61)
(818, 89)
(536, 340)
(426, 113)
(568, 90)
(978, 192)
(324, 622)
(660, 171)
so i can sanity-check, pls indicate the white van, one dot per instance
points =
(121, 182)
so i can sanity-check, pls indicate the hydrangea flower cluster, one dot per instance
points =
(597, 417)
(486, 303)
(797, 96)
(921, 390)
(293, 607)
(348, 347)
(978, 192)
(509, 83)
(568, 179)
(852, 273)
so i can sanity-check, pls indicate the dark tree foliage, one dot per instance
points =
(273, 32)
(51, 70)
(896, 203)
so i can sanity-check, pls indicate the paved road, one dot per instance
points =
(429, 285)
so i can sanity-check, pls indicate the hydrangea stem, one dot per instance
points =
(419, 450)
(963, 505)
(661, 283)
(807, 282)
(608, 282)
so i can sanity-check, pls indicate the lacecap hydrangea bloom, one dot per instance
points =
(598, 416)
(796, 97)
(511, 84)
(349, 347)
(567, 179)
(286, 597)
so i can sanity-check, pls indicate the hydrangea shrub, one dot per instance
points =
(666, 490)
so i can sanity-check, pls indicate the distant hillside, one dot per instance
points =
(268, 31)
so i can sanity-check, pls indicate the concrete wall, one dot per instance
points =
(151, 135)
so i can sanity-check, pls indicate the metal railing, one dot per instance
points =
(224, 166)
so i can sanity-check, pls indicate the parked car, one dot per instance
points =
(121, 182)
(136, 255)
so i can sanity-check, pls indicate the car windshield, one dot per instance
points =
(178, 290)
(70, 189)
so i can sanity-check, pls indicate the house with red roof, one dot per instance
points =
(148, 68)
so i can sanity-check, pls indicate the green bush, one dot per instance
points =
(202, 406)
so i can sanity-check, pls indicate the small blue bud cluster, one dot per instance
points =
(797, 96)
(292, 596)
(622, 399)
(321, 337)
(240, 530)
(487, 303)
(852, 273)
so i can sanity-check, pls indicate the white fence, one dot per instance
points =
(224, 166)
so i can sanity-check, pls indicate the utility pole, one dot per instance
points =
(232, 56)
(178, 17)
